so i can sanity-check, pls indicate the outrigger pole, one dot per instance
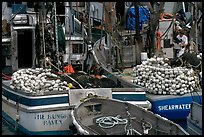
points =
(56, 35)
(42, 20)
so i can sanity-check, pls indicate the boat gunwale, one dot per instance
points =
(35, 109)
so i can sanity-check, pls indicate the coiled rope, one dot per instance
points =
(110, 121)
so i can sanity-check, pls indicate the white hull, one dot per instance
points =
(51, 114)
(38, 120)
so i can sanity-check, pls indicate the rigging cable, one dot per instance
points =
(48, 61)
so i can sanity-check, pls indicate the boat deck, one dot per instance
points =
(127, 74)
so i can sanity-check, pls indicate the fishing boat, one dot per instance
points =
(48, 110)
(117, 58)
(48, 113)
(48, 103)
(173, 107)
(101, 116)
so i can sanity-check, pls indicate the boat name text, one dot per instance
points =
(51, 119)
(174, 107)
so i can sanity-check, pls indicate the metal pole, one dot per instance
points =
(196, 25)
(153, 25)
(137, 19)
(67, 31)
(56, 35)
(82, 31)
(71, 18)
(66, 19)
(137, 36)
(89, 24)
(42, 36)
(184, 8)
(192, 7)
(102, 21)
(77, 10)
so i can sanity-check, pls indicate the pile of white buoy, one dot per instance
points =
(160, 78)
(37, 81)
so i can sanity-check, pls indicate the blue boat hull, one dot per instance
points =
(173, 107)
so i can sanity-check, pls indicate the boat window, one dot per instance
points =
(77, 48)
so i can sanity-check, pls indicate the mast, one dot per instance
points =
(89, 24)
(83, 36)
(154, 17)
(71, 18)
(89, 37)
(68, 29)
(42, 33)
(56, 35)
(137, 19)
(102, 22)
(193, 34)
(196, 23)
(138, 42)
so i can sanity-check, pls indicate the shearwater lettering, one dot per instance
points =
(174, 107)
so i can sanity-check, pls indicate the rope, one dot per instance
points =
(110, 121)
(128, 127)
(48, 61)
(131, 131)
